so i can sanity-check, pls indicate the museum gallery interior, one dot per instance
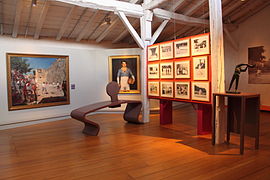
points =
(135, 89)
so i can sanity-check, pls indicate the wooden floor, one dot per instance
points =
(58, 150)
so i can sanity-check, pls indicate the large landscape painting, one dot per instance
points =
(37, 80)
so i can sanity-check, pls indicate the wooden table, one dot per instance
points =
(243, 116)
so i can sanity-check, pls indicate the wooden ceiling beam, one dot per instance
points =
(129, 9)
(65, 23)
(130, 28)
(17, 20)
(153, 4)
(111, 26)
(176, 5)
(2, 19)
(87, 26)
(195, 7)
(41, 19)
(179, 18)
(252, 12)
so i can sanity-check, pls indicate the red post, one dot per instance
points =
(165, 111)
(204, 119)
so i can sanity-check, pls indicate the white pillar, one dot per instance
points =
(146, 35)
(217, 59)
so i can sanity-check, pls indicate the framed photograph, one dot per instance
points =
(260, 57)
(166, 50)
(182, 90)
(182, 69)
(200, 91)
(182, 48)
(126, 72)
(166, 70)
(153, 88)
(166, 89)
(200, 45)
(37, 80)
(200, 68)
(153, 71)
(153, 53)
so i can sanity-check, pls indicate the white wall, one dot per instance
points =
(251, 33)
(88, 69)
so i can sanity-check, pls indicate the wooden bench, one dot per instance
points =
(131, 113)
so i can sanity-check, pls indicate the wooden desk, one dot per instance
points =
(243, 116)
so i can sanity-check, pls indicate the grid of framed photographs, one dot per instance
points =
(180, 69)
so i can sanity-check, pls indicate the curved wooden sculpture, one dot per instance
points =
(131, 113)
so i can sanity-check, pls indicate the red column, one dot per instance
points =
(165, 111)
(204, 119)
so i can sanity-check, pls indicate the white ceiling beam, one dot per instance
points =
(153, 4)
(115, 21)
(179, 18)
(130, 28)
(87, 26)
(158, 31)
(19, 7)
(129, 9)
(194, 8)
(41, 19)
(176, 5)
(65, 23)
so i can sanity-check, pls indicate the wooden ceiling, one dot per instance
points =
(57, 20)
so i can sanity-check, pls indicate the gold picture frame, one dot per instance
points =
(129, 77)
(36, 80)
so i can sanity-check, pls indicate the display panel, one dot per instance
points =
(200, 45)
(200, 91)
(200, 68)
(153, 53)
(166, 70)
(166, 89)
(182, 48)
(182, 90)
(182, 69)
(153, 88)
(166, 50)
(153, 71)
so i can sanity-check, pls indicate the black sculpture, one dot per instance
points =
(238, 69)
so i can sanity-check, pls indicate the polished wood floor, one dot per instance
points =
(58, 150)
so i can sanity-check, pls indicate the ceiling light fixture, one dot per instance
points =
(34, 3)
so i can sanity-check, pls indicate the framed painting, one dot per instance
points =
(200, 91)
(126, 72)
(166, 89)
(182, 69)
(182, 90)
(200, 45)
(153, 88)
(166, 50)
(37, 80)
(153, 71)
(153, 53)
(200, 68)
(166, 70)
(182, 48)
